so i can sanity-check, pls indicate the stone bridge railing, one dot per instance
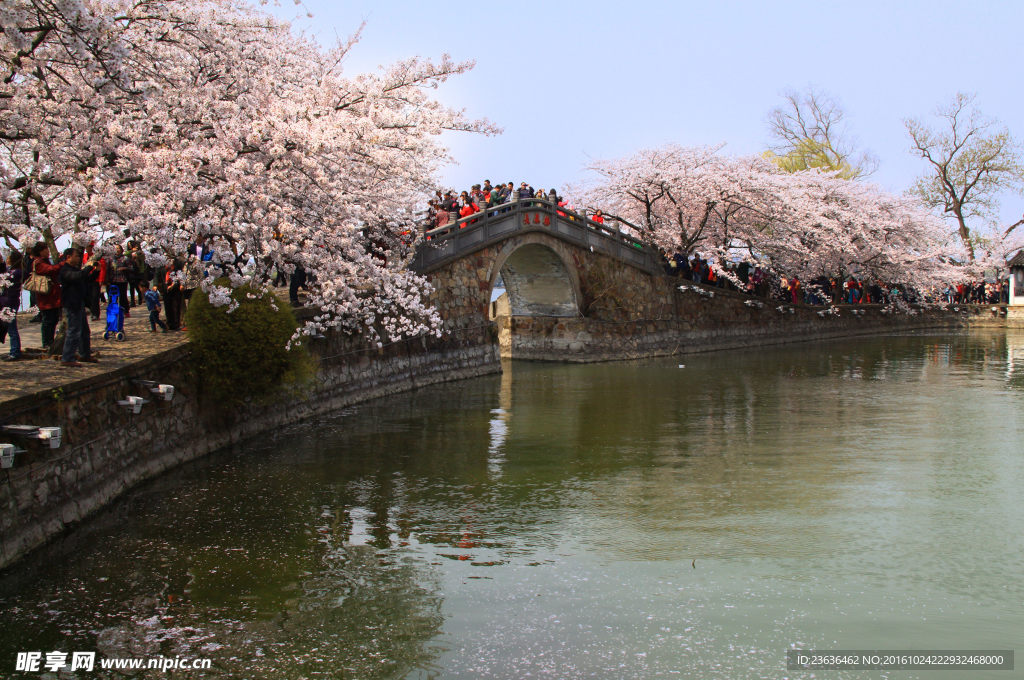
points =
(464, 236)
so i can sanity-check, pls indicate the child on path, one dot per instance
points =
(153, 305)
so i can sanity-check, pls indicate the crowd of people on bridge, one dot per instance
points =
(447, 207)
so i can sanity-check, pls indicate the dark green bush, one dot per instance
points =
(242, 355)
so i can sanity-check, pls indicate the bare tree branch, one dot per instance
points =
(809, 131)
(972, 159)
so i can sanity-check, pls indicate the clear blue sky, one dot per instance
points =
(573, 79)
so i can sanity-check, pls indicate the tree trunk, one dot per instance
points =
(51, 243)
(57, 348)
(965, 233)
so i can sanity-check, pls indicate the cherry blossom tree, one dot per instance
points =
(165, 120)
(806, 224)
(828, 225)
(664, 195)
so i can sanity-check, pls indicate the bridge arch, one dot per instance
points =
(540, 276)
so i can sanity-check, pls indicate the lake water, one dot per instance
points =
(626, 520)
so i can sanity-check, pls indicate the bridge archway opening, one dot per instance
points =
(538, 282)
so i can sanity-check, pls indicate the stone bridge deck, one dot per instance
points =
(467, 235)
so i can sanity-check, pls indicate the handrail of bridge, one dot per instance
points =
(443, 244)
(529, 203)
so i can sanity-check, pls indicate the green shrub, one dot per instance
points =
(242, 355)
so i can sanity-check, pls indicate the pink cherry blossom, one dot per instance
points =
(164, 121)
(806, 224)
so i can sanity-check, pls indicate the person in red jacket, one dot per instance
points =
(49, 304)
(104, 278)
(468, 207)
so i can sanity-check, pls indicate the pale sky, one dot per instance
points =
(570, 80)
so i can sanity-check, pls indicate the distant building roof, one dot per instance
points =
(1018, 259)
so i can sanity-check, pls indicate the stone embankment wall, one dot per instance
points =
(629, 315)
(732, 326)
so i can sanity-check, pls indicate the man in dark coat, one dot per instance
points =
(743, 272)
(74, 282)
(298, 280)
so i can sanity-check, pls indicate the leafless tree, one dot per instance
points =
(809, 130)
(972, 158)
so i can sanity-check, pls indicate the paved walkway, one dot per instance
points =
(29, 376)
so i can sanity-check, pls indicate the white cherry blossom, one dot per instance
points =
(165, 121)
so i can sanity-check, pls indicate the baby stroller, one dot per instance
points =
(115, 314)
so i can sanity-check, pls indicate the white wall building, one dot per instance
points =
(1017, 280)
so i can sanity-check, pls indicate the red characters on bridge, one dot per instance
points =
(536, 219)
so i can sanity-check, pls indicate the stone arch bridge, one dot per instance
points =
(553, 262)
(561, 272)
